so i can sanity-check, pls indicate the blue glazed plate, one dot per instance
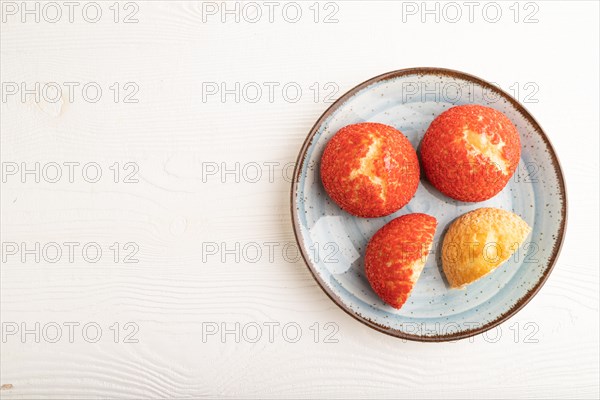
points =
(333, 242)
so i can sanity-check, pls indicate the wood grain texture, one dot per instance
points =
(550, 349)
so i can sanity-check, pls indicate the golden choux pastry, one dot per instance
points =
(480, 241)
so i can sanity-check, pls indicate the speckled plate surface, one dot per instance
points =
(333, 242)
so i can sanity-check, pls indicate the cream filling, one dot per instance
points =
(480, 144)
(418, 265)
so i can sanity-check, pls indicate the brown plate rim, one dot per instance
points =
(523, 111)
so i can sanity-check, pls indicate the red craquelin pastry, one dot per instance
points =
(370, 169)
(396, 255)
(470, 152)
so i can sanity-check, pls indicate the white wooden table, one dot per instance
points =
(175, 274)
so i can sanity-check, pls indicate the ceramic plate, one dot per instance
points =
(333, 242)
